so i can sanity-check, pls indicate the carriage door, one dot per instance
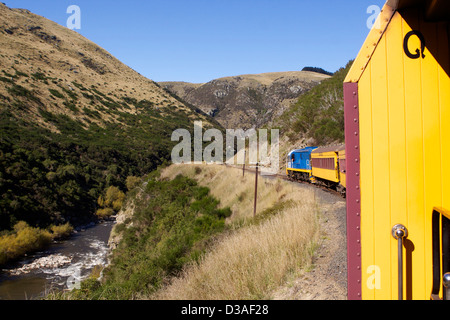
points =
(441, 254)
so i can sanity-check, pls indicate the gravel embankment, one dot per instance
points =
(327, 280)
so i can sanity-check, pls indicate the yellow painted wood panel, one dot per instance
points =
(369, 46)
(369, 283)
(432, 139)
(397, 136)
(381, 170)
(415, 161)
(342, 175)
(343, 179)
(405, 154)
(443, 56)
(444, 103)
(330, 175)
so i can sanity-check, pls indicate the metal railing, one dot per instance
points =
(399, 232)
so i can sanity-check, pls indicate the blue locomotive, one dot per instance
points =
(299, 164)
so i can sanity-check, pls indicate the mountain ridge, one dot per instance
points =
(249, 100)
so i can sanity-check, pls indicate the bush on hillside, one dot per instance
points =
(319, 113)
(22, 240)
(172, 222)
(111, 202)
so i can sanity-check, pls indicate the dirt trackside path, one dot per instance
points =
(327, 280)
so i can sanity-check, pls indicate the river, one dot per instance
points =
(61, 266)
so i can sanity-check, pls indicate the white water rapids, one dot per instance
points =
(62, 266)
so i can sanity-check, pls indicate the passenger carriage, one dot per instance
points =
(326, 167)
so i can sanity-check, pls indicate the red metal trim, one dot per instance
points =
(352, 146)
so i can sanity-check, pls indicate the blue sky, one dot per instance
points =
(201, 40)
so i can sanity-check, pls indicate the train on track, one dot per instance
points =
(324, 166)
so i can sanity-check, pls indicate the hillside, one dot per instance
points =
(316, 117)
(74, 121)
(175, 240)
(247, 101)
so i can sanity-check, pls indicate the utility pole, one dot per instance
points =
(256, 190)
(243, 168)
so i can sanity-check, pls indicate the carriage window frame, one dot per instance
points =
(441, 249)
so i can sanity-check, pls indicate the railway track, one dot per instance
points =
(286, 178)
(332, 191)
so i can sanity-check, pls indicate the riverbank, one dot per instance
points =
(61, 266)
(57, 234)
(176, 240)
(24, 240)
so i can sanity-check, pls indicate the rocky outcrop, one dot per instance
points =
(247, 101)
(123, 218)
(48, 262)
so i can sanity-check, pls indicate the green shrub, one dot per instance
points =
(104, 213)
(24, 239)
(39, 76)
(21, 74)
(172, 222)
(7, 80)
(114, 198)
(133, 182)
(110, 202)
(56, 93)
(61, 231)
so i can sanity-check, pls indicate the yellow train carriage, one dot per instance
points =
(329, 167)
(342, 168)
(397, 115)
(325, 165)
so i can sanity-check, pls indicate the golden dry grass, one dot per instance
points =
(253, 260)
(237, 192)
(270, 77)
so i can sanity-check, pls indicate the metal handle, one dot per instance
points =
(446, 281)
(399, 232)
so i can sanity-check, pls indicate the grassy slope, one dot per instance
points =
(258, 254)
(180, 243)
